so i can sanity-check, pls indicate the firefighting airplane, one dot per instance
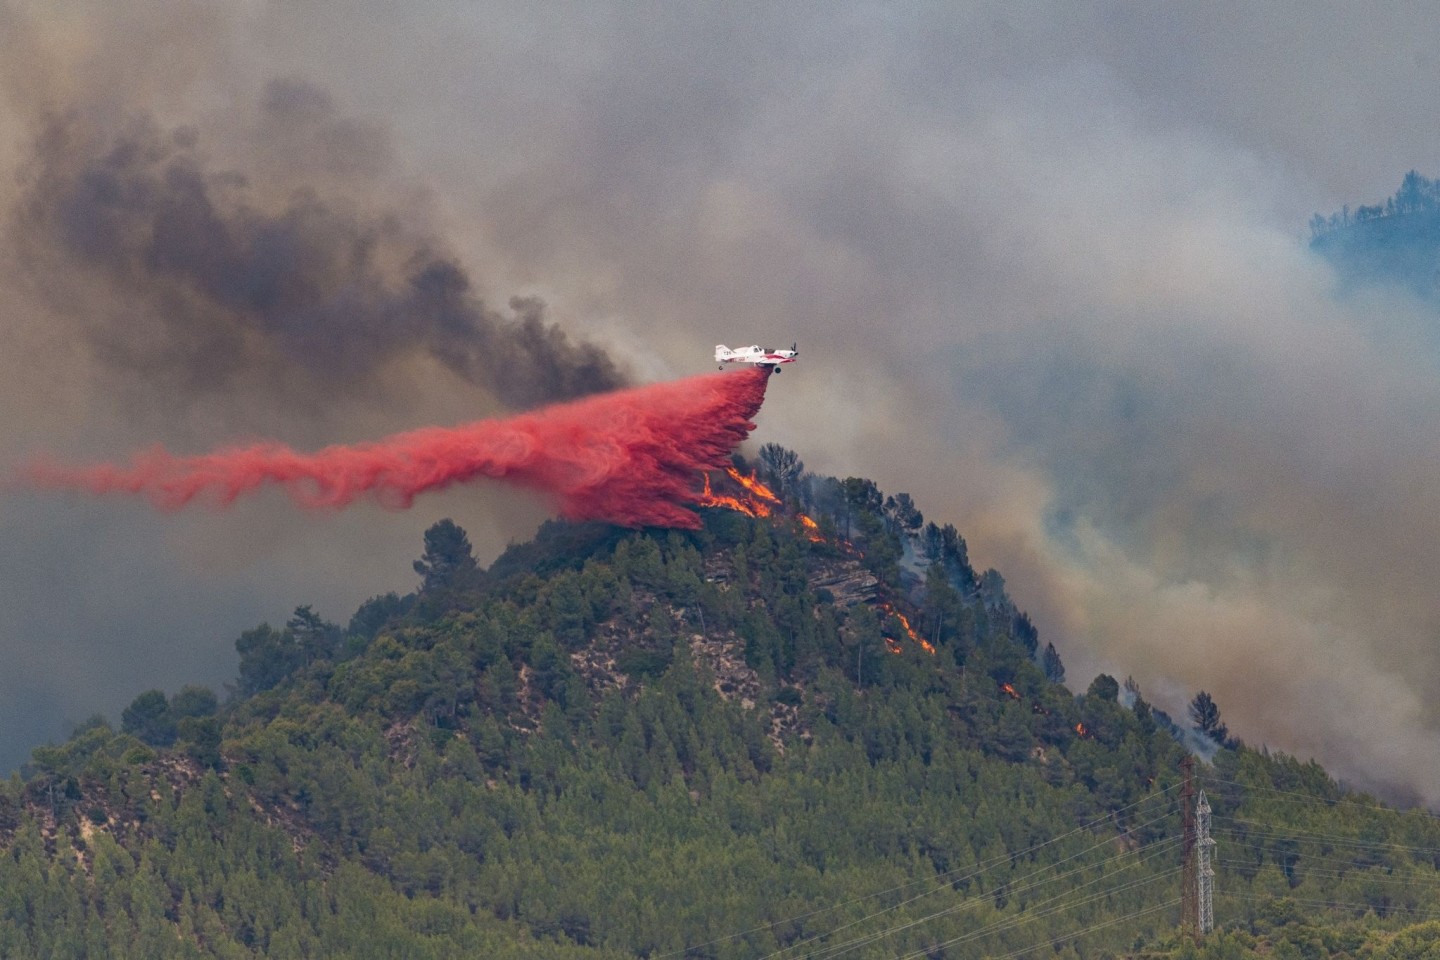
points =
(769, 359)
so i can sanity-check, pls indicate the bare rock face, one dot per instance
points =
(724, 657)
(848, 582)
(400, 744)
(718, 569)
(598, 661)
(720, 656)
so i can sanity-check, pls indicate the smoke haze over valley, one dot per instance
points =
(1048, 265)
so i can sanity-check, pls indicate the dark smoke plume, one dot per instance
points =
(213, 281)
(632, 457)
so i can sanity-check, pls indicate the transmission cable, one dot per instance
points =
(1316, 798)
(1422, 914)
(1332, 874)
(1325, 838)
(978, 869)
(1051, 942)
(811, 939)
(829, 951)
(1308, 857)
(1019, 919)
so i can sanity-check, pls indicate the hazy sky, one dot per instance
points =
(1046, 263)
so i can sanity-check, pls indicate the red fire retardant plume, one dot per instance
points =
(631, 457)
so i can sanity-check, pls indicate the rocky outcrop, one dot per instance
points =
(847, 581)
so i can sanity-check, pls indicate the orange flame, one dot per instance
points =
(812, 529)
(753, 485)
(909, 631)
(751, 508)
(1081, 729)
(762, 503)
(1009, 691)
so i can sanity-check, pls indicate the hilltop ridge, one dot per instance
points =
(808, 728)
(1395, 241)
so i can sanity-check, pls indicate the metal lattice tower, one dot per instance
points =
(1204, 873)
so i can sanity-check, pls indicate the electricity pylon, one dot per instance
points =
(1205, 874)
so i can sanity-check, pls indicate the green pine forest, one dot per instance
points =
(723, 743)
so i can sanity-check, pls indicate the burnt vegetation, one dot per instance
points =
(659, 743)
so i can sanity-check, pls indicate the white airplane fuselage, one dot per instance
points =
(757, 355)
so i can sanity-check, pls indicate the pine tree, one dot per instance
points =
(1205, 716)
(1051, 664)
(448, 562)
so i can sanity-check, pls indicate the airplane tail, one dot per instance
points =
(721, 351)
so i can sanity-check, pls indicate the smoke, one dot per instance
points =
(198, 246)
(210, 281)
(631, 457)
(1049, 269)
(1047, 263)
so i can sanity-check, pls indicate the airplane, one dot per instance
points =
(769, 359)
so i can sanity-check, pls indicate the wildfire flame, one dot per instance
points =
(751, 508)
(909, 631)
(752, 484)
(1082, 730)
(1009, 691)
(759, 500)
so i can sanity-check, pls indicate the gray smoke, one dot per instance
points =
(209, 281)
(193, 254)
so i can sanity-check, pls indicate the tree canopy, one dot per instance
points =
(731, 742)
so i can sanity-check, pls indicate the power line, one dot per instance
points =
(979, 869)
(877, 913)
(1012, 923)
(835, 950)
(975, 901)
(1189, 872)
(1077, 934)
(1422, 914)
(1358, 875)
(1327, 801)
(1202, 844)
(1350, 863)
(1244, 830)
(1305, 848)
(1329, 838)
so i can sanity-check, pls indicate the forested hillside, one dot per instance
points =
(810, 728)
(1397, 241)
